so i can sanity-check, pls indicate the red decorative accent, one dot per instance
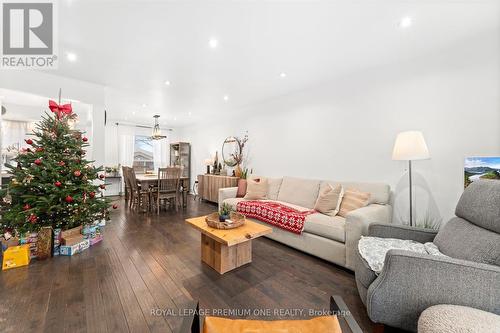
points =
(77, 173)
(115, 206)
(26, 207)
(103, 187)
(60, 110)
(29, 141)
(62, 163)
(32, 218)
(39, 149)
(101, 176)
(69, 199)
(274, 213)
(58, 184)
(85, 139)
(38, 161)
(92, 194)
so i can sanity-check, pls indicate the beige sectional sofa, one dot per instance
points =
(331, 238)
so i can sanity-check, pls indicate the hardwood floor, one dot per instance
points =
(149, 263)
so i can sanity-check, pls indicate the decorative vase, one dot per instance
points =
(44, 243)
(237, 171)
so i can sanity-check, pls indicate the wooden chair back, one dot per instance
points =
(168, 179)
(132, 180)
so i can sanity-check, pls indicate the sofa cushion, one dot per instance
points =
(352, 200)
(329, 200)
(302, 192)
(379, 192)
(446, 318)
(479, 204)
(328, 324)
(256, 189)
(273, 188)
(326, 226)
(463, 240)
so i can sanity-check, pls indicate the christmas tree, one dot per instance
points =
(53, 184)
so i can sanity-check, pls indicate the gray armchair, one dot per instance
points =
(469, 275)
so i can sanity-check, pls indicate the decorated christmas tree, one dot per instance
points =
(53, 184)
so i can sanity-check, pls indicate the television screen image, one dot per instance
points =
(481, 168)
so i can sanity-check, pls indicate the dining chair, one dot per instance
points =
(168, 186)
(126, 185)
(140, 196)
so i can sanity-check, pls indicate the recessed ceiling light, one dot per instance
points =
(282, 74)
(144, 105)
(71, 56)
(405, 22)
(133, 112)
(226, 98)
(189, 114)
(167, 83)
(213, 43)
(175, 118)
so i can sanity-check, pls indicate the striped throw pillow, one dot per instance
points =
(353, 199)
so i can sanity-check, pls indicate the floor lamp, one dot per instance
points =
(410, 146)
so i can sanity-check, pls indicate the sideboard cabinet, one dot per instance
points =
(209, 185)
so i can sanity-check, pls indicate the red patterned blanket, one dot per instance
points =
(275, 213)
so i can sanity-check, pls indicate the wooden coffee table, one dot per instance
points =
(225, 250)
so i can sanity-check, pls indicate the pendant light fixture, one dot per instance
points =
(156, 130)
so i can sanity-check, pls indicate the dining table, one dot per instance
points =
(151, 179)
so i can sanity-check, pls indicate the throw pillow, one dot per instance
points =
(353, 199)
(242, 188)
(256, 189)
(329, 200)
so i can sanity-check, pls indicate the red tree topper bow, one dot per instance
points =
(60, 109)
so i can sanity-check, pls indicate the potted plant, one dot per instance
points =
(224, 212)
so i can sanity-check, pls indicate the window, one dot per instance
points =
(143, 154)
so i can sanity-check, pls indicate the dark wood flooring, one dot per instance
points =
(148, 263)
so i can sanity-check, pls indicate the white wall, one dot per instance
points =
(345, 129)
(45, 84)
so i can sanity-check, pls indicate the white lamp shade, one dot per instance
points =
(410, 146)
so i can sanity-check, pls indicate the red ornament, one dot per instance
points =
(39, 149)
(103, 187)
(62, 163)
(26, 207)
(115, 206)
(38, 161)
(58, 184)
(29, 141)
(92, 194)
(101, 176)
(85, 139)
(77, 173)
(32, 218)
(69, 199)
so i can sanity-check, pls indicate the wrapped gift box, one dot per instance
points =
(72, 240)
(16, 256)
(30, 239)
(57, 241)
(74, 249)
(95, 240)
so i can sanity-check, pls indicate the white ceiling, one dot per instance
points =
(132, 47)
